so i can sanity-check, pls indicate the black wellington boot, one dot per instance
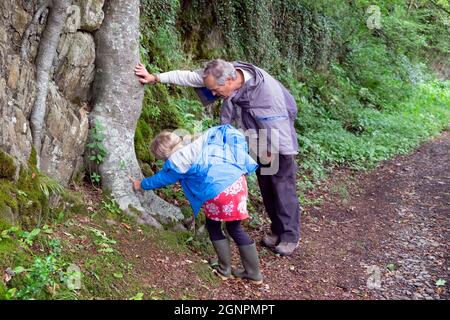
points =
(250, 262)
(223, 250)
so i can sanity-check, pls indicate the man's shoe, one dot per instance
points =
(286, 248)
(270, 240)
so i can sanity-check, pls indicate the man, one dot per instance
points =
(260, 103)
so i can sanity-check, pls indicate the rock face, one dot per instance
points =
(63, 145)
(76, 69)
(91, 14)
(69, 92)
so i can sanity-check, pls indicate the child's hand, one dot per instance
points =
(136, 184)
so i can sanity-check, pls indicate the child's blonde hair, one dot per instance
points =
(167, 142)
(164, 144)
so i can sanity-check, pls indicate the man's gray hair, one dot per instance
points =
(220, 70)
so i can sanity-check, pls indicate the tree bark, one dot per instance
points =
(34, 21)
(117, 106)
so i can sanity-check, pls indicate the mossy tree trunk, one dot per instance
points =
(117, 107)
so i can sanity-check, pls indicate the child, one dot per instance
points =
(211, 170)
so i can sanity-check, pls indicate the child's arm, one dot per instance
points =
(163, 178)
(167, 175)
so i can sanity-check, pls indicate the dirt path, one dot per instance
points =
(383, 234)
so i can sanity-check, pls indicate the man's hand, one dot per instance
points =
(136, 184)
(144, 76)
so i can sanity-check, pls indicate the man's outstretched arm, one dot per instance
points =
(178, 77)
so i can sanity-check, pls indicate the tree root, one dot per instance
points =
(47, 51)
(34, 21)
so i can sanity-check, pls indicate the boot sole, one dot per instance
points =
(221, 276)
(258, 282)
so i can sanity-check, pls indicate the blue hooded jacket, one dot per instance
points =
(222, 159)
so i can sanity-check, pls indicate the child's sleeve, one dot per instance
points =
(166, 176)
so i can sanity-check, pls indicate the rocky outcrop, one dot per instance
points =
(91, 14)
(65, 138)
(66, 124)
(76, 68)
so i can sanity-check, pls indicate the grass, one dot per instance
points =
(85, 241)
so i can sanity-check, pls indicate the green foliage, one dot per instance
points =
(95, 177)
(392, 267)
(96, 147)
(164, 107)
(138, 296)
(364, 94)
(97, 151)
(48, 186)
(44, 276)
(382, 134)
(111, 205)
(102, 241)
(41, 262)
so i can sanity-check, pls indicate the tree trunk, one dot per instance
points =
(117, 106)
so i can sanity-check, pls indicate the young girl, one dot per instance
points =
(211, 170)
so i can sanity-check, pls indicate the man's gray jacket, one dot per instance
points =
(261, 103)
(265, 104)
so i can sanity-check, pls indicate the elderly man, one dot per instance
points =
(260, 104)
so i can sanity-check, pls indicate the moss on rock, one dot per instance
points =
(7, 167)
(8, 203)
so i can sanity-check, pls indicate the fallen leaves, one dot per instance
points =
(126, 226)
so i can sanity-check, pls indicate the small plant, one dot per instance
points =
(392, 267)
(25, 238)
(138, 296)
(44, 277)
(122, 165)
(6, 233)
(22, 193)
(95, 177)
(49, 186)
(111, 205)
(103, 241)
(98, 150)
(255, 220)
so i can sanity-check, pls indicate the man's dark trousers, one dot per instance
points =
(279, 193)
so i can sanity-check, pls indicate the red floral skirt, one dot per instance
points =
(230, 204)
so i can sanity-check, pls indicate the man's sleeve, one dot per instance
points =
(182, 78)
